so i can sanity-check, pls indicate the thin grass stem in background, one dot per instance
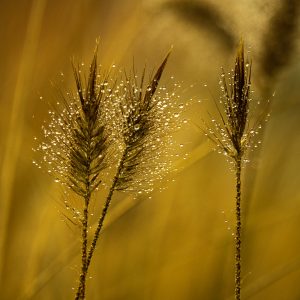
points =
(234, 133)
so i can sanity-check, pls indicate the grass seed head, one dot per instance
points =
(147, 117)
(76, 141)
(232, 131)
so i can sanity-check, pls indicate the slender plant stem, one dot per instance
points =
(86, 257)
(80, 294)
(238, 231)
(105, 209)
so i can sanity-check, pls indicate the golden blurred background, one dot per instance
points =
(178, 243)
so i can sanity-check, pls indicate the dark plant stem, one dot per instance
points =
(238, 231)
(86, 257)
(80, 294)
(105, 209)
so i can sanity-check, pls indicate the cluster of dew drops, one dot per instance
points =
(229, 227)
(157, 160)
(158, 146)
(216, 129)
(55, 145)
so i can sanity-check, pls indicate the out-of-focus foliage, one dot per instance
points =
(177, 244)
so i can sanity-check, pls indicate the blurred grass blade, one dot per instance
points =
(280, 39)
(271, 278)
(16, 123)
(204, 16)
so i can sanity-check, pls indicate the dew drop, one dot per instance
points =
(136, 127)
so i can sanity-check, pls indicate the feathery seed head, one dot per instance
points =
(233, 134)
(147, 115)
(76, 139)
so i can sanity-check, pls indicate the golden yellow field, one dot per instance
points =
(176, 243)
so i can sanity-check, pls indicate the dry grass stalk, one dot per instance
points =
(76, 149)
(123, 126)
(234, 135)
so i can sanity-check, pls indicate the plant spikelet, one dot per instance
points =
(147, 115)
(76, 139)
(233, 131)
(233, 135)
